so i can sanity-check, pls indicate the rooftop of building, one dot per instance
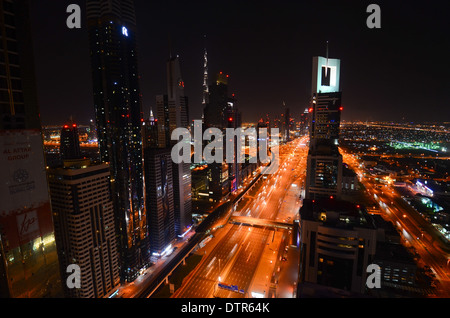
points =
(336, 213)
(390, 252)
(433, 185)
(80, 166)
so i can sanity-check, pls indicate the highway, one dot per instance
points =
(415, 230)
(233, 256)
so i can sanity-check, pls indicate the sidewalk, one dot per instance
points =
(261, 282)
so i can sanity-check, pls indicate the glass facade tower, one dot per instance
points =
(117, 101)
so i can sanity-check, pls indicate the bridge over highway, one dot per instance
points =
(218, 217)
(247, 220)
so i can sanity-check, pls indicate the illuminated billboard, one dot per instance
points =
(325, 75)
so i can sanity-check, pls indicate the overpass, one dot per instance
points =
(246, 220)
(220, 216)
(166, 270)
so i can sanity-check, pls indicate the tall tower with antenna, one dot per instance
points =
(205, 77)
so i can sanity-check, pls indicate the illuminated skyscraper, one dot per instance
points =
(150, 132)
(287, 123)
(160, 199)
(117, 101)
(28, 256)
(217, 113)
(326, 99)
(172, 112)
(324, 163)
(205, 98)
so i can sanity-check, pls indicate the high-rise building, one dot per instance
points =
(28, 256)
(159, 198)
(304, 121)
(172, 112)
(232, 119)
(150, 132)
(337, 243)
(324, 170)
(216, 115)
(324, 164)
(326, 99)
(287, 124)
(84, 225)
(69, 142)
(92, 135)
(326, 116)
(205, 97)
(113, 49)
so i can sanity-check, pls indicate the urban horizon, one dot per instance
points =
(244, 158)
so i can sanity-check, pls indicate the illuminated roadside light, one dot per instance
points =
(310, 109)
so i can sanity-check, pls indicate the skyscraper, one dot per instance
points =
(287, 124)
(214, 110)
(218, 113)
(337, 242)
(324, 170)
(28, 256)
(117, 101)
(326, 99)
(150, 132)
(159, 198)
(324, 162)
(232, 119)
(173, 112)
(84, 225)
(69, 142)
(205, 98)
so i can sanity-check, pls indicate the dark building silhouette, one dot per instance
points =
(150, 132)
(28, 256)
(219, 113)
(70, 142)
(159, 198)
(115, 77)
(172, 113)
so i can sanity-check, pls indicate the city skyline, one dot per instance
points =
(258, 179)
(388, 74)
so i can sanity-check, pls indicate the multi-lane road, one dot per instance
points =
(241, 255)
(416, 231)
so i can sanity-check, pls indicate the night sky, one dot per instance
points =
(397, 73)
